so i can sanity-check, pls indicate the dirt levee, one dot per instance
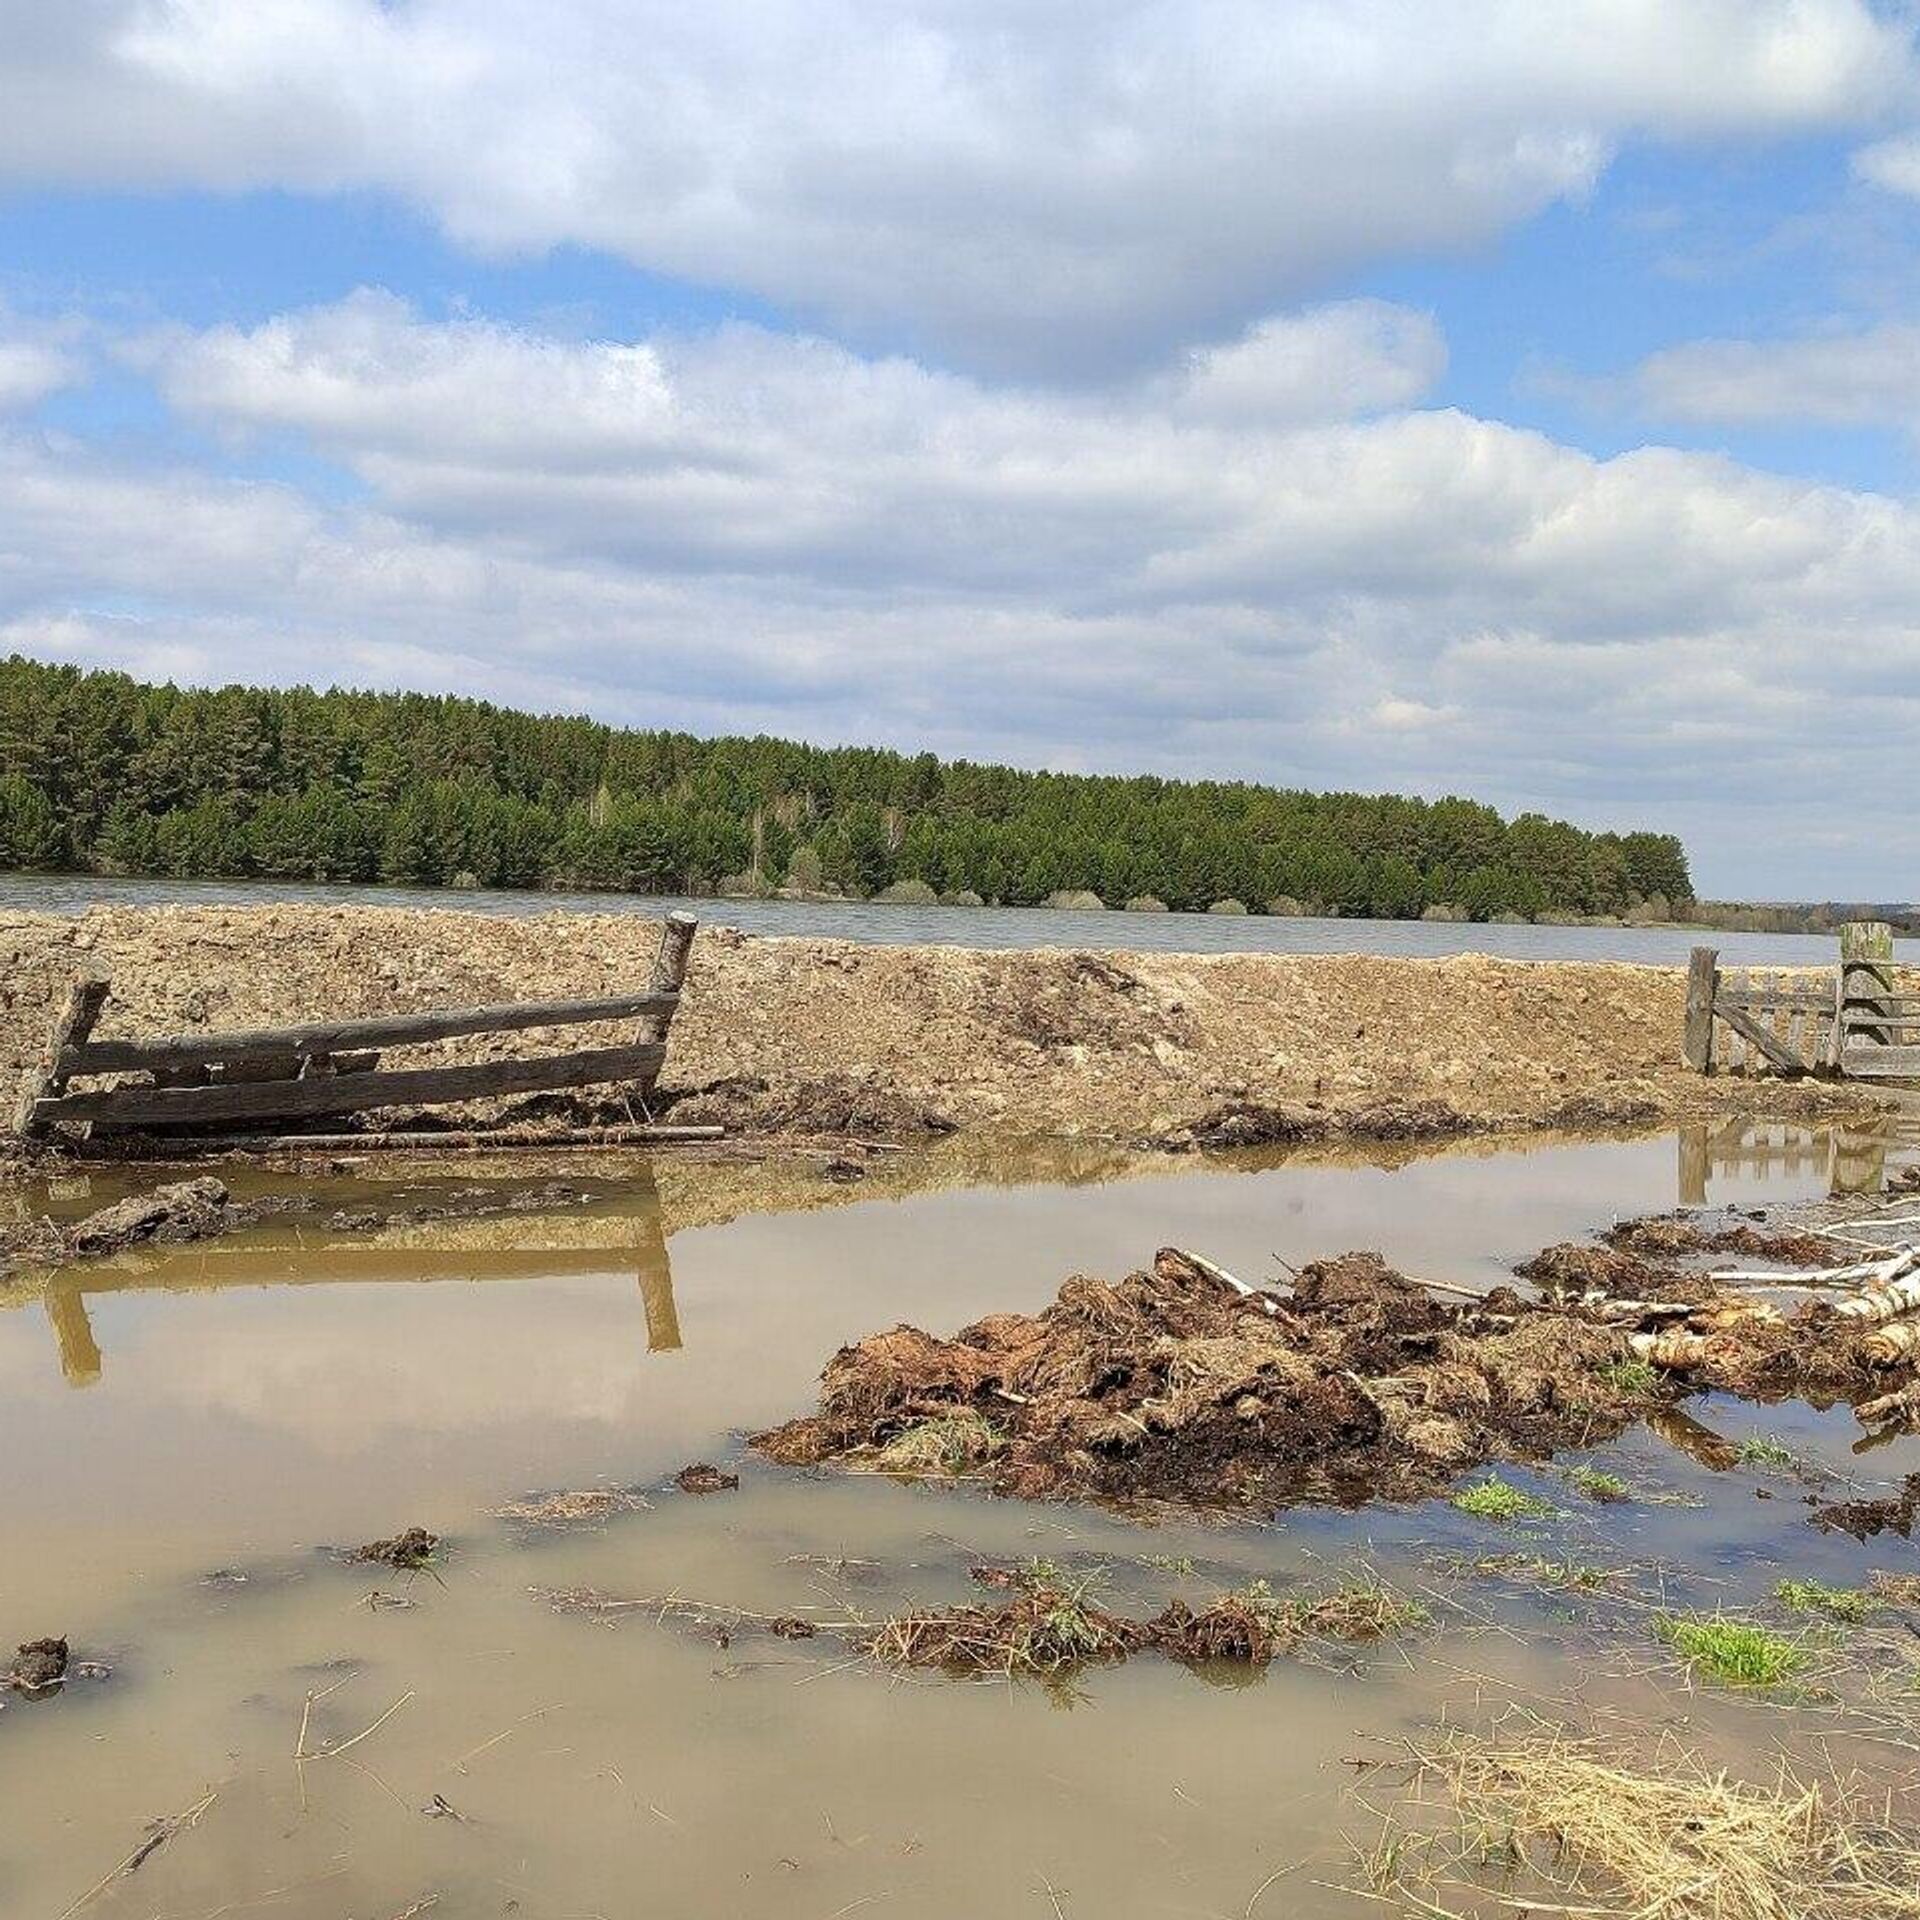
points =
(1213, 1049)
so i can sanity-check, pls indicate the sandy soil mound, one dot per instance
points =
(818, 1035)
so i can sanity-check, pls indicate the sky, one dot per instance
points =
(1517, 398)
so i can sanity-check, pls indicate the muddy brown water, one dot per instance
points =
(183, 1433)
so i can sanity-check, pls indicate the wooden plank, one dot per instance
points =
(1777, 1000)
(352, 1092)
(1696, 1047)
(378, 1030)
(1745, 1027)
(473, 1140)
(1869, 1060)
(85, 998)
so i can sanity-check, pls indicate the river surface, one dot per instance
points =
(992, 927)
(185, 1433)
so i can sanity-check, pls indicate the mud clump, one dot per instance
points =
(1674, 1237)
(1242, 1123)
(1172, 1385)
(1895, 1513)
(838, 1106)
(38, 1665)
(408, 1551)
(703, 1477)
(189, 1210)
(1575, 1271)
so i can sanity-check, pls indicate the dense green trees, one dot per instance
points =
(99, 771)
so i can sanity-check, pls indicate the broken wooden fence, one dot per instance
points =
(298, 1073)
(1846, 1020)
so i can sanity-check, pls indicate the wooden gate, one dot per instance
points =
(300, 1073)
(1844, 1020)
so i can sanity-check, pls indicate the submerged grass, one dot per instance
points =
(1597, 1484)
(1762, 1450)
(1605, 1834)
(1851, 1606)
(1739, 1652)
(1537, 1571)
(1497, 1499)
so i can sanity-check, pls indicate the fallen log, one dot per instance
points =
(1901, 1405)
(1897, 1340)
(1883, 1303)
(1673, 1350)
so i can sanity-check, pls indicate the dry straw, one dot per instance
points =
(1659, 1838)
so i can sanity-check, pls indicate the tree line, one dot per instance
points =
(103, 773)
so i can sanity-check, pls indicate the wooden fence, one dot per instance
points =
(300, 1073)
(1846, 1020)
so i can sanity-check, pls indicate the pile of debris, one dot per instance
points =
(1184, 1384)
(1181, 1383)
(1801, 1326)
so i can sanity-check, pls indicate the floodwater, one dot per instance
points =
(183, 1434)
(989, 927)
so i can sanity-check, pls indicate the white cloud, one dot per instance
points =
(32, 368)
(748, 530)
(1073, 188)
(1860, 377)
(1893, 164)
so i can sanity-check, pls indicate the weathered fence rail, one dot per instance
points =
(1847, 1020)
(198, 1080)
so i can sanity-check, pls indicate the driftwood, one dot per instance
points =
(1903, 1405)
(1886, 1302)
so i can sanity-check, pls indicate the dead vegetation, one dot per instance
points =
(1052, 1620)
(1536, 1820)
(408, 1551)
(577, 1506)
(1179, 1384)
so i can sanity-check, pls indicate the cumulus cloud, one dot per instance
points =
(743, 529)
(1070, 188)
(31, 367)
(1892, 164)
(1859, 377)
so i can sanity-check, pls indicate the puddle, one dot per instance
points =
(182, 1433)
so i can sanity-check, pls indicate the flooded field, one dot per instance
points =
(1011, 928)
(187, 1434)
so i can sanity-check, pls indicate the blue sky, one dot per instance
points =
(1515, 399)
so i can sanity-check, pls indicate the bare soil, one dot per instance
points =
(829, 1036)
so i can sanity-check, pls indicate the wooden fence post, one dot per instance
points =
(669, 968)
(85, 998)
(1866, 982)
(1697, 1047)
